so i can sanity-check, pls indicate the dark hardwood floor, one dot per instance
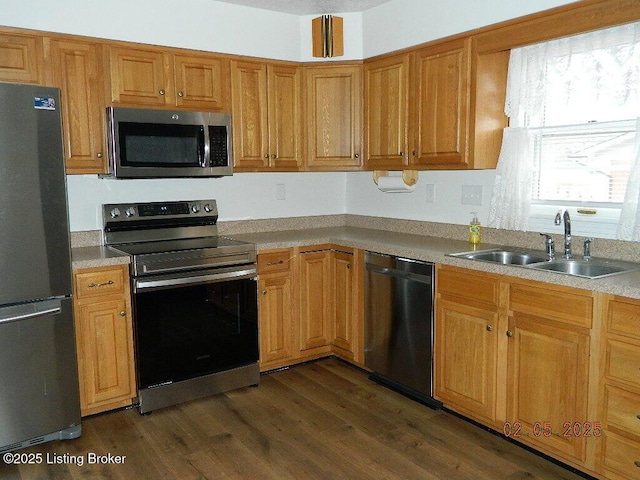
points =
(322, 420)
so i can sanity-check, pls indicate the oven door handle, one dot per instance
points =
(155, 283)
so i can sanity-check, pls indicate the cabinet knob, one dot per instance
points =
(99, 155)
(348, 266)
(489, 328)
(264, 292)
(509, 333)
(274, 156)
(123, 314)
(266, 156)
(637, 463)
(414, 153)
(401, 154)
(180, 94)
(161, 92)
(357, 155)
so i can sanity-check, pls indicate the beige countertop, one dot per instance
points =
(419, 247)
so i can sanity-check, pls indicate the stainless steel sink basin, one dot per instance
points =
(503, 256)
(593, 268)
(586, 268)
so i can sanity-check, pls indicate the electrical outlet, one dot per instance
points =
(280, 191)
(471, 195)
(431, 193)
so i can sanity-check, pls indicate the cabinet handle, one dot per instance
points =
(161, 92)
(489, 328)
(123, 314)
(180, 94)
(98, 285)
(509, 333)
(264, 292)
(99, 155)
(271, 264)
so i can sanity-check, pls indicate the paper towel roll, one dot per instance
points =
(394, 184)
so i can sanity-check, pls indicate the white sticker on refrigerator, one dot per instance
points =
(44, 103)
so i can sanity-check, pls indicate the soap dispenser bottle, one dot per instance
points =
(475, 235)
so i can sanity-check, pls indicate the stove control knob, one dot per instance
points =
(115, 212)
(207, 208)
(130, 212)
(195, 208)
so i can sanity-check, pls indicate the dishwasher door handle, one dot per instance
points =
(392, 272)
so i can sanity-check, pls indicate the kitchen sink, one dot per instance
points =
(503, 256)
(586, 268)
(592, 268)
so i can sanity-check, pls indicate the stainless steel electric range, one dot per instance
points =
(194, 300)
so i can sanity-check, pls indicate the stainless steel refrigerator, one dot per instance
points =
(39, 399)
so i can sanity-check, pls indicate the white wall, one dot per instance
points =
(404, 23)
(239, 197)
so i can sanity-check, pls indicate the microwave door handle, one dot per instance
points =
(205, 150)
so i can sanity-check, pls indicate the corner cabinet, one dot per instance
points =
(267, 116)
(334, 116)
(104, 339)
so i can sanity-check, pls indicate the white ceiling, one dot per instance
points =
(310, 7)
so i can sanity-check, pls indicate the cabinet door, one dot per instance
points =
(315, 299)
(250, 129)
(140, 77)
(547, 383)
(277, 331)
(21, 58)
(334, 112)
(440, 110)
(103, 332)
(284, 93)
(466, 341)
(343, 303)
(76, 69)
(202, 82)
(385, 89)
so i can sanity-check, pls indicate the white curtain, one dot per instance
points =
(570, 81)
(629, 225)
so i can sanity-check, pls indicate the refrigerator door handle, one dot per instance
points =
(30, 310)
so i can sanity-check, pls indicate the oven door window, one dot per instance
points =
(161, 145)
(188, 331)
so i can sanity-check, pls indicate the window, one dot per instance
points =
(578, 100)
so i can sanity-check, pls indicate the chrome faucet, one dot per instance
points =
(563, 216)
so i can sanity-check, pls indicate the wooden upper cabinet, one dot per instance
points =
(201, 82)
(386, 86)
(439, 105)
(21, 58)
(267, 116)
(159, 78)
(334, 115)
(76, 68)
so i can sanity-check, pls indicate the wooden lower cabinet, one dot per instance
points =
(276, 309)
(309, 305)
(620, 393)
(518, 356)
(104, 339)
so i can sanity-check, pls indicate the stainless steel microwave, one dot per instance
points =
(145, 143)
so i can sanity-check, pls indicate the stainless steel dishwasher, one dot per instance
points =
(398, 327)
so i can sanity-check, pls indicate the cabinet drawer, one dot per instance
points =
(623, 318)
(622, 456)
(468, 287)
(577, 309)
(274, 262)
(623, 362)
(622, 410)
(97, 282)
